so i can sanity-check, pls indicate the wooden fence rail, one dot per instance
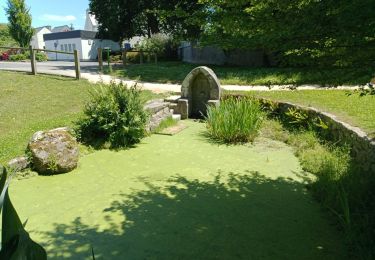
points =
(34, 62)
(124, 60)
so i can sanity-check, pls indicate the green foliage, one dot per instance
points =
(18, 57)
(121, 20)
(114, 114)
(235, 120)
(297, 32)
(15, 241)
(19, 22)
(156, 44)
(5, 38)
(41, 56)
(340, 185)
(132, 57)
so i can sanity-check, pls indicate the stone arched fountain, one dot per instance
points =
(201, 88)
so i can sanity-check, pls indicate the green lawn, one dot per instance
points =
(175, 72)
(179, 197)
(31, 103)
(353, 109)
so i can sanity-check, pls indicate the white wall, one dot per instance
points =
(91, 51)
(88, 49)
(37, 40)
(75, 42)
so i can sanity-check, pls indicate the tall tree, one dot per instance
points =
(301, 32)
(123, 19)
(19, 22)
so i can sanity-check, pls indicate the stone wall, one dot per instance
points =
(362, 146)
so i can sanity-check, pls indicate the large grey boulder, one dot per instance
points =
(54, 151)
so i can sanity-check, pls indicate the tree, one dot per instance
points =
(123, 19)
(5, 38)
(300, 32)
(19, 22)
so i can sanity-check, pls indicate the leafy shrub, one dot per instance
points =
(114, 114)
(4, 56)
(116, 58)
(132, 57)
(18, 57)
(41, 56)
(235, 120)
(156, 44)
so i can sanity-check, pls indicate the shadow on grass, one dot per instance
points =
(175, 72)
(241, 216)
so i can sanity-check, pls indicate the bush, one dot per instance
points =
(4, 56)
(132, 57)
(114, 114)
(156, 44)
(235, 120)
(116, 58)
(41, 56)
(18, 57)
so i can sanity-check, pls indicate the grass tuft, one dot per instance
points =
(235, 120)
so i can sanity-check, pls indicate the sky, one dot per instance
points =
(53, 12)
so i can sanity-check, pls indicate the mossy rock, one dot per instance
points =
(53, 152)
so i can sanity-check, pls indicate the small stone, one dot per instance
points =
(183, 108)
(19, 164)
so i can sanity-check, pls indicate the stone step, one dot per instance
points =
(155, 106)
(176, 117)
(172, 99)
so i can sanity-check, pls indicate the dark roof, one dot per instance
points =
(70, 35)
(63, 28)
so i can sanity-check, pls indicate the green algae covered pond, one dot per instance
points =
(179, 197)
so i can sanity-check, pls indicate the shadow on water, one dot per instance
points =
(239, 216)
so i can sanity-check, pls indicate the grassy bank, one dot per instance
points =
(31, 103)
(341, 188)
(175, 72)
(353, 109)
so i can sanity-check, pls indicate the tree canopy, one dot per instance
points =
(295, 32)
(123, 19)
(19, 22)
(5, 38)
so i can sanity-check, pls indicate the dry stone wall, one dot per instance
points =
(362, 146)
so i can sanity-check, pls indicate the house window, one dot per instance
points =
(66, 47)
(70, 47)
(74, 46)
(62, 47)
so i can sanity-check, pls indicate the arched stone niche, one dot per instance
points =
(200, 88)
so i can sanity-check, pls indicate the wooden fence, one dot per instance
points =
(33, 59)
(124, 52)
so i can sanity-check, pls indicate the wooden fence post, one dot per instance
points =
(124, 58)
(141, 57)
(100, 59)
(33, 61)
(77, 65)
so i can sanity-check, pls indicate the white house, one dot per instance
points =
(37, 40)
(91, 24)
(85, 42)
